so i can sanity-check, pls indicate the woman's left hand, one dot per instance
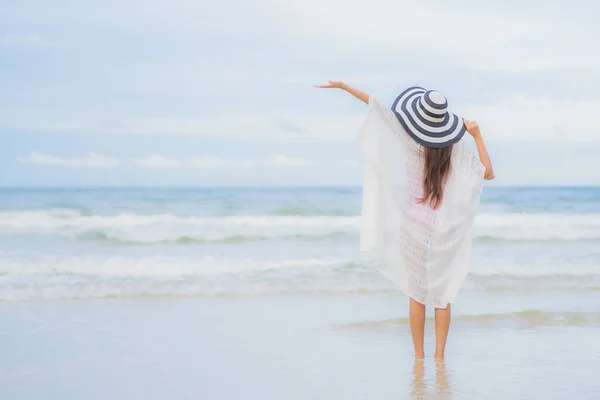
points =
(472, 128)
(331, 85)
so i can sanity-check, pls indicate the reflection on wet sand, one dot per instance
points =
(443, 387)
(419, 386)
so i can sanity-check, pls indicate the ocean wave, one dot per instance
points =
(175, 229)
(581, 279)
(170, 228)
(153, 266)
(310, 212)
(124, 277)
(96, 276)
(126, 238)
(566, 227)
(66, 218)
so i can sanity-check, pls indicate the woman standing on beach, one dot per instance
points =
(420, 194)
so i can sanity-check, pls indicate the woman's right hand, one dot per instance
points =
(362, 96)
(331, 85)
(472, 128)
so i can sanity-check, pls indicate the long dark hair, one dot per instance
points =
(437, 169)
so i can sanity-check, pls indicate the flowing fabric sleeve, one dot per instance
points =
(384, 143)
(468, 163)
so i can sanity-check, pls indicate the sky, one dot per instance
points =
(211, 93)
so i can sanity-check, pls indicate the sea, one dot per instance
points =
(71, 243)
(261, 293)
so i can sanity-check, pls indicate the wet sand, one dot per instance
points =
(296, 347)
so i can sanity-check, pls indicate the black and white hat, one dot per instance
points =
(425, 117)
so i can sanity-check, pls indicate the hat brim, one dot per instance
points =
(430, 130)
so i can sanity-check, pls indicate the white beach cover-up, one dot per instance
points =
(425, 252)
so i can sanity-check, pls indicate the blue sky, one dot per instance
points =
(184, 92)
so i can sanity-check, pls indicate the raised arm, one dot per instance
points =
(473, 129)
(362, 96)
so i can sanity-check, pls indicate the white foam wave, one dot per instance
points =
(98, 276)
(160, 228)
(149, 267)
(71, 219)
(538, 226)
(133, 228)
(62, 277)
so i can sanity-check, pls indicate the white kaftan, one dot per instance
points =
(424, 251)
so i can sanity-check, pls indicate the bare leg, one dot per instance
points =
(417, 326)
(442, 326)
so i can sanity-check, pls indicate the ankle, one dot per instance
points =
(438, 355)
(419, 354)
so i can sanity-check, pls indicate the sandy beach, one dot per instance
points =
(292, 347)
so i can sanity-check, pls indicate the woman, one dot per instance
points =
(420, 194)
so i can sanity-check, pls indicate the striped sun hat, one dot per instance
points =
(424, 115)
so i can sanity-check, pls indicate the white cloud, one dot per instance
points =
(519, 38)
(209, 162)
(279, 160)
(24, 41)
(92, 160)
(275, 160)
(398, 36)
(348, 164)
(518, 117)
(523, 118)
(157, 162)
(433, 27)
(287, 126)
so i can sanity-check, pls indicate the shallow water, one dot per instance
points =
(292, 347)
